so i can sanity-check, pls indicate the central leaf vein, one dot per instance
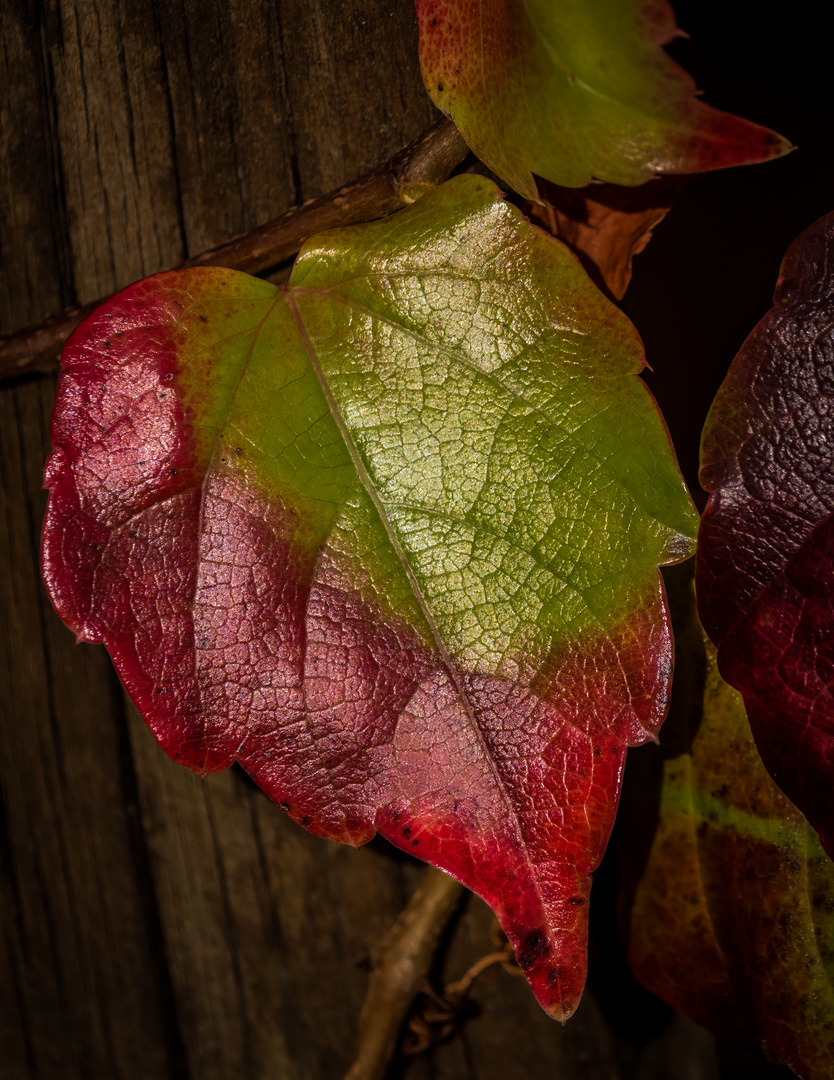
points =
(417, 590)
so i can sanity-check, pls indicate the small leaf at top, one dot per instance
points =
(576, 91)
(388, 537)
(732, 919)
(766, 547)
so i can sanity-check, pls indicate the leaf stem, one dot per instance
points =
(401, 180)
(404, 960)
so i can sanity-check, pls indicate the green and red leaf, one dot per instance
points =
(732, 920)
(575, 92)
(388, 536)
(766, 547)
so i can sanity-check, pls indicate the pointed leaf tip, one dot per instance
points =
(576, 92)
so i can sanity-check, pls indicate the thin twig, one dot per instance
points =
(438, 1014)
(461, 987)
(405, 959)
(421, 166)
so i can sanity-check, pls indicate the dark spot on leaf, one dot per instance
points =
(533, 947)
(203, 318)
(597, 751)
(577, 900)
(414, 843)
(440, 87)
(306, 820)
(394, 815)
(238, 450)
(173, 472)
(106, 343)
(96, 547)
(285, 806)
(554, 975)
(454, 807)
(785, 920)
(132, 535)
(406, 832)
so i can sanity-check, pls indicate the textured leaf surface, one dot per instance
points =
(576, 91)
(733, 920)
(766, 548)
(388, 537)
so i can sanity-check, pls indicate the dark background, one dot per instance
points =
(155, 925)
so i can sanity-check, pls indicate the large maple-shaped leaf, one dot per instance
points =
(766, 547)
(732, 921)
(388, 537)
(576, 91)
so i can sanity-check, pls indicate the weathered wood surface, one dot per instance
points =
(156, 926)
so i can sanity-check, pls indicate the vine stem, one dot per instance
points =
(401, 180)
(404, 959)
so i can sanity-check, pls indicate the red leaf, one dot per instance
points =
(766, 546)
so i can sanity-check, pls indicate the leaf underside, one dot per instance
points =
(732, 921)
(575, 92)
(766, 547)
(388, 537)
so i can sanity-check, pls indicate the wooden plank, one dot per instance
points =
(81, 954)
(33, 251)
(354, 86)
(84, 981)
